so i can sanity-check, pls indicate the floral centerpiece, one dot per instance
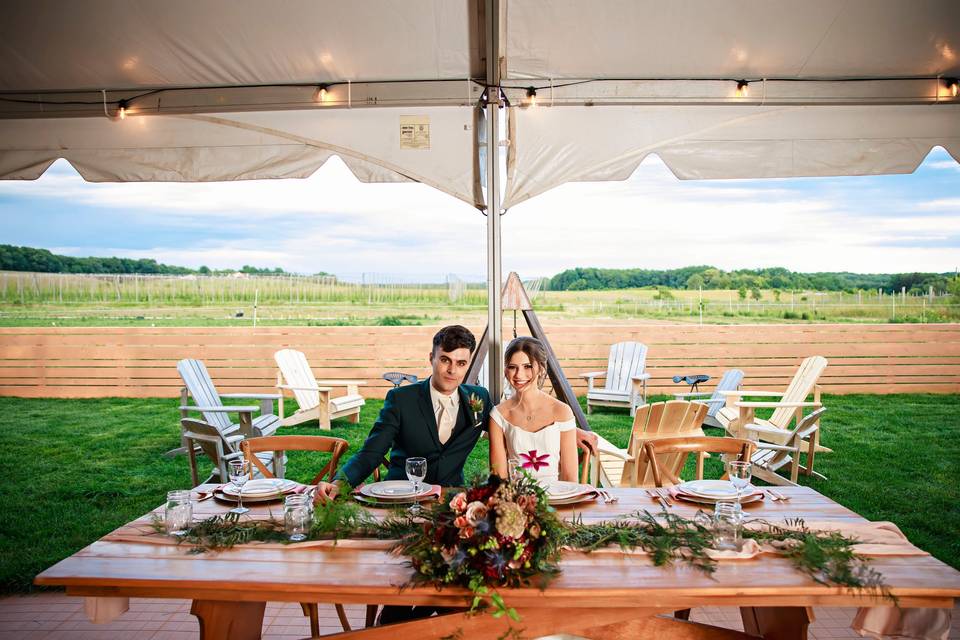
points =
(496, 533)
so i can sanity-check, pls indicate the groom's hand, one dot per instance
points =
(587, 440)
(325, 492)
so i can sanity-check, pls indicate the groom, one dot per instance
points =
(439, 419)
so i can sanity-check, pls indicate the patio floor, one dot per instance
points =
(55, 615)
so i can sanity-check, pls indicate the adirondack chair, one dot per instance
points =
(739, 419)
(220, 449)
(771, 457)
(730, 381)
(625, 381)
(313, 396)
(611, 462)
(208, 402)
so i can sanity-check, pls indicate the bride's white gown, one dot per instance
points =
(536, 443)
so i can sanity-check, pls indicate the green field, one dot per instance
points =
(76, 469)
(37, 299)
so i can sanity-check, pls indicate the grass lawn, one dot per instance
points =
(74, 470)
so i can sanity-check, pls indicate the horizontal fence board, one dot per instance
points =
(141, 362)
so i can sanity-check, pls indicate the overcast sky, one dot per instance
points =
(330, 222)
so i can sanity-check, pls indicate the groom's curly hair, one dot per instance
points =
(454, 337)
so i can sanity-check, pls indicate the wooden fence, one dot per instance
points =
(141, 362)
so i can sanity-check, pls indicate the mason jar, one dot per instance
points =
(178, 513)
(297, 516)
(727, 526)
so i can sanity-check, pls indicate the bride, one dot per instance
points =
(531, 427)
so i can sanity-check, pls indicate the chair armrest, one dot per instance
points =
(222, 409)
(640, 376)
(774, 447)
(331, 382)
(593, 374)
(745, 392)
(261, 432)
(777, 405)
(695, 394)
(234, 439)
(293, 388)
(252, 396)
(614, 451)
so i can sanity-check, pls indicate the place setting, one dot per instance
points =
(390, 494)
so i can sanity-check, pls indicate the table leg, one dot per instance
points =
(229, 620)
(777, 623)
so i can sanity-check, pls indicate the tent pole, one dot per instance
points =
(494, 267)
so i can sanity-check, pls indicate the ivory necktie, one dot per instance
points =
(446, 419)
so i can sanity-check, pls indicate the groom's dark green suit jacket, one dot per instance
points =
(407, 427)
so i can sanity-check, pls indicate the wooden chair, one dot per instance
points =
(206, 438)
(209, 403)
(738, 414)
(313, 396)
(770, 456)
(611, 459)
(656, 450)
(715, 400)
(673, 419)
(625, 381)
(279, 445)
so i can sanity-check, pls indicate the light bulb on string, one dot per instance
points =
(953, 87)
(531, 97)
(321, 95)
(122, 112)
(743, 88)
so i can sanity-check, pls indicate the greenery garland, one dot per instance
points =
(446, 547)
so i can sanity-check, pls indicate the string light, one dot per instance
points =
(743, 88)
(953, 87)
(531, 97)
(321, 93)
(123, 109)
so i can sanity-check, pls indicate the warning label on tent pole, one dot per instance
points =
(414, 132)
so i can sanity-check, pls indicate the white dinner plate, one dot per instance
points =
(260, 487)
(713, 489)
(747, 498)
(394, 490)
(560, 489)
(574, 499)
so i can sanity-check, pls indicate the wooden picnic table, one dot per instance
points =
(600, 595)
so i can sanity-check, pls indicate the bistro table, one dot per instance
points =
(599, 595)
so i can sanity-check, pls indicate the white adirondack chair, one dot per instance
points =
(313, 396)
(208, 402)
(730, 381)
(625, 383)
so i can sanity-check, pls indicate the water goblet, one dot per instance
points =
(514, 469)
(239, 474)
(416, 472)
(740, 473)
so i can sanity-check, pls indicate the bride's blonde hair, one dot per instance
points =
(533, 349)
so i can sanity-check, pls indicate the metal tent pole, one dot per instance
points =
(494, 267)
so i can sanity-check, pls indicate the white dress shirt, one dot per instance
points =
(445, 409)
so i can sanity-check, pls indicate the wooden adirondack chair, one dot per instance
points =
(313, 396)
(770, 457)
(625, 381)
(673, 419)
(218, 448)
(715, 400)
(739, 419)
(208, 402)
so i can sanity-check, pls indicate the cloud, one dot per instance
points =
(331, 222)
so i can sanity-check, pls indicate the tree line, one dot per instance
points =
(778, 278)
(14, 258)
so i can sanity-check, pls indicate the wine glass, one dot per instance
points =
(416, 472)
(239, 473)
(740, 473)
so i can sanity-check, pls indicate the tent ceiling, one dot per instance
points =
(230, 103)
(63, 45)
(732, 39)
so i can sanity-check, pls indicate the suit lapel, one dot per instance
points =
(429, 417)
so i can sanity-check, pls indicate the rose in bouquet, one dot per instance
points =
(495, 533)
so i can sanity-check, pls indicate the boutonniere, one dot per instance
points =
(476, 406)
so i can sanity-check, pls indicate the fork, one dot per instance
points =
(656, 496)
(779, 495)
(665, 495)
